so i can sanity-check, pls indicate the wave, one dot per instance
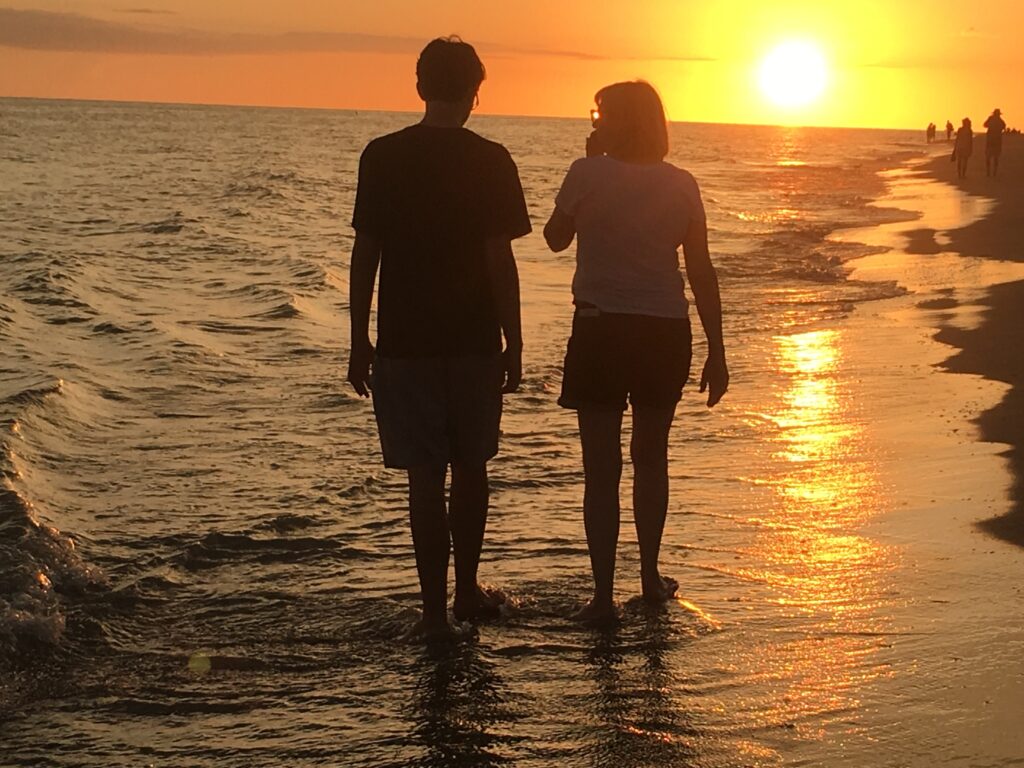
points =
(252, 190)
(37, 394)
(282, 311)
(217, 549)
(230, 327)
(166, 227)
(41, 574)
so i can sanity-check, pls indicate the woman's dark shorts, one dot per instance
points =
(612, 357)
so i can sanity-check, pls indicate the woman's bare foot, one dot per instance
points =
(659, 589)
(596, 612)
(485, 604)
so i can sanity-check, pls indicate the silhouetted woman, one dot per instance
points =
(964, 147)
(630, 212)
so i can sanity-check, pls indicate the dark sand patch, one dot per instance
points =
(922, 241)
(944, 303)
(995, 350)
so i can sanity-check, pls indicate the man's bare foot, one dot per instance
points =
(660, 589)
(596, 612)
(430, 630)
(484, 604)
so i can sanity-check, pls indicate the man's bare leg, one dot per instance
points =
(429, 522)
(467, 515)
(600, 436)
(649, 452)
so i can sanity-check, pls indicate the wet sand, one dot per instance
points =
(993, 350)
(957, 683)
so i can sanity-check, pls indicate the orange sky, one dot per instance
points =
(892, 63)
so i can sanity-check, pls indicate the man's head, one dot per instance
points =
(449, 70)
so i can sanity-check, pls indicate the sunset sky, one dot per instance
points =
(886, 63)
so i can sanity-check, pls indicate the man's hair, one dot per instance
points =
(633, 121)
(448, 70)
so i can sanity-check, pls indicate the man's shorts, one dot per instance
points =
(612, 357)
(435, 411)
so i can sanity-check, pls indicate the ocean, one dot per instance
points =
(204, 563)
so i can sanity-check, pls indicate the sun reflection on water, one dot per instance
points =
(825, 576)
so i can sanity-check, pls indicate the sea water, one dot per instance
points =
(203, 562)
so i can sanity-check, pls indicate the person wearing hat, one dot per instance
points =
(993, 142)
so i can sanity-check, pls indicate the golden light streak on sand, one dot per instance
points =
(699, 612)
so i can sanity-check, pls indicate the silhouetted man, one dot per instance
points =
(436, 209)
(949, 130)
(993, 142)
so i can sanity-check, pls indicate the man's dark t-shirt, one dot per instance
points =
(433, 196)
(995, 126)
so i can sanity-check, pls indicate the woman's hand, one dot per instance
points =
(595, 144)
(715, 377)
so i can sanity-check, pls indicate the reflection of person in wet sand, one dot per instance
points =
(630, 211)
(993, 142)
(963, 148)
(436, 208)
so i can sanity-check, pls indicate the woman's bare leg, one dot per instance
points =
(601, 435)
(649, 452)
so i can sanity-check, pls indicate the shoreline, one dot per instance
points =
(953, 629)
(992, 349)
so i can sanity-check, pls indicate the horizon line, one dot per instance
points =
(154, 102)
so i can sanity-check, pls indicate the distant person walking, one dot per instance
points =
(963, 148)
(630, 211)
(437, 207)
(949, 130)
(930, 132)
(995, 126)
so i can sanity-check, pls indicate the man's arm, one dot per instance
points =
(704, 283)
(362, 277)
(504, 279)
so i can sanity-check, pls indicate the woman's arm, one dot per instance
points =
(703, 279)
(560, 230)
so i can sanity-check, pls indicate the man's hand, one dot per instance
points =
(513, 363)
(715, 378)
(359, 367)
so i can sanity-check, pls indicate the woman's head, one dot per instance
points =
(632, 122)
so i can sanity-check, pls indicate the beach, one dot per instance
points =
(952, 421)
(993, 349)
(202, 561)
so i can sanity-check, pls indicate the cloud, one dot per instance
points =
(146, 11)
(52, 31)
(49, 31)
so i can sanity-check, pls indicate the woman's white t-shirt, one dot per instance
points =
(630, 220)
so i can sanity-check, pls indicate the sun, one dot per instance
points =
(793, 74)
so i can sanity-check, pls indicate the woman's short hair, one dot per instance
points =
(448, 69)
(633, 119)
